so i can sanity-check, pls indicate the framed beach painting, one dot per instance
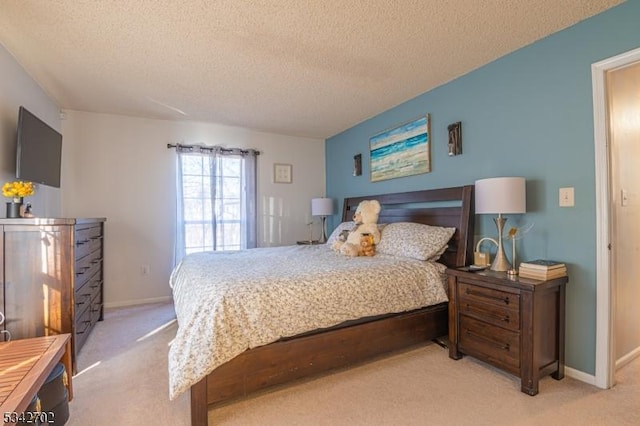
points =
(401, 151)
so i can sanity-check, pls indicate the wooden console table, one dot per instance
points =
(24, 366)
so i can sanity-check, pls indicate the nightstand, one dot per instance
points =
(308, 243)
(516, 324)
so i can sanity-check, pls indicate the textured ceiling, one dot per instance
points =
(306, 68)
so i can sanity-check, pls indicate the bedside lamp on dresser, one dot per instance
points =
(500, 195)
(322, 207)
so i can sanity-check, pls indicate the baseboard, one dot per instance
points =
(628, 358)
(580, 375)
(137, 302)
(591, 379)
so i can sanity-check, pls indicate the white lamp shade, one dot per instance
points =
(501, 195)
(321, 207)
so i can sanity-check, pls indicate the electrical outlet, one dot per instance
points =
(145, 269)
(566, 197)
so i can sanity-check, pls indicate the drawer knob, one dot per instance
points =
(82, 270)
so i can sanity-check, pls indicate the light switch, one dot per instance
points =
(566, 197)
(624, 197)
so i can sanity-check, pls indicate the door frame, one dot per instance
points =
(605, 285)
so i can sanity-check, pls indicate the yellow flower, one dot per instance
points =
(18, 189)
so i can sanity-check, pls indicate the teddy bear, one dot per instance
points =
(366, 222)
(367, 248)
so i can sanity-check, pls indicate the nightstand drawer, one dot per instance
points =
(502, 316)
(486, 295)
(493, 344)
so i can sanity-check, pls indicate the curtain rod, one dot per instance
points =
(211, 148)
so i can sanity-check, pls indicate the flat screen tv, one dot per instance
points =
(39, 150)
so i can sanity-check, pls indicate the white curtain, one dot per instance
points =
(250, 209)
(214, 189)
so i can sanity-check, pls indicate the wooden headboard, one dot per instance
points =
(415, 207)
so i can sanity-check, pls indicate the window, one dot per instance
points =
(216, 200)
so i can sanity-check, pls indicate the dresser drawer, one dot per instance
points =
(95, 287)
(82, 328)
(88, 238)
(494, 344)
(82, 301)
(86, 267)
(84, 247)
(96, 309)
(88, 289)
(473, 303)
(487, 295)
(87, 232)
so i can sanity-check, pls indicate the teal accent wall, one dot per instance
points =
(529, 114)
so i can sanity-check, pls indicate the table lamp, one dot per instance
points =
(322, 207)
(500, 195)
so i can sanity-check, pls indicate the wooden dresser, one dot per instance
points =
(52, 277)
(516, 324)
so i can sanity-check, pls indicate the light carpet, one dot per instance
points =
(122, 380)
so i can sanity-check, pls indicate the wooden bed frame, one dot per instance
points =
(311, 353)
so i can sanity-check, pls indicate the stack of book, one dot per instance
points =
(542, 269)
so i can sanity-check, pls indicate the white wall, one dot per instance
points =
(623, 86)
(18, 88)
(120, 168)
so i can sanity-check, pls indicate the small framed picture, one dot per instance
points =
(282, 173)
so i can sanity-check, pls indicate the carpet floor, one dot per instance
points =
(122, 380)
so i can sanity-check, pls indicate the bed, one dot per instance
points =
(244, 362)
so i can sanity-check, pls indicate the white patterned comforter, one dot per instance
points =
(228, 302)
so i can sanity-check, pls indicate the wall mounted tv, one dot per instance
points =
(39, 150)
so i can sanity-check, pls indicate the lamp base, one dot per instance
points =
(323, 238)
(500, 263)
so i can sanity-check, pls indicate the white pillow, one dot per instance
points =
(422, 242)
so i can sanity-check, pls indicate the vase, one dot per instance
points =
(13, 209)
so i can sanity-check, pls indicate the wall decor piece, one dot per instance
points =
(282, 173)
(401, 151)
(455, 138)
(357, 165)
